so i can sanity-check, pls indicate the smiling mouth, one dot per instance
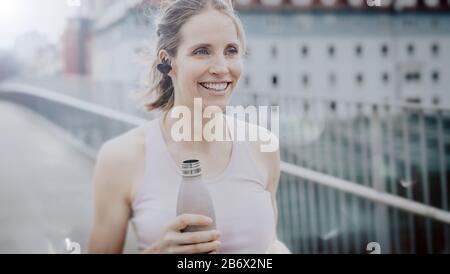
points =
(214, 87)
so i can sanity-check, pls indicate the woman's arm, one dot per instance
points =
(111, 199)
(278, 247)
(273, 167)
(269, 161)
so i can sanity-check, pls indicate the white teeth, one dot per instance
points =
(215, 86)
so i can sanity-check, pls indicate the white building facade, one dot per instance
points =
(343, 53)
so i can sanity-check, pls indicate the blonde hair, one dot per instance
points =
(174, 14)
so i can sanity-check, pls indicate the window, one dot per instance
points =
(333, 105)
(435, 76)
(331, 51)
(410, 49)
(385, 78)
(359, 78)
(412, 76)
(414, 100)
(274, 80)
(384, 50)
(358, 50)
(332, 79)
(274, 52)
(435, 49)
(305, 80)
(306, 106)
(304, 51)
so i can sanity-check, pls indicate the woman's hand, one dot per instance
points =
(174, 241)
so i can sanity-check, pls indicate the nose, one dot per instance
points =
(219, 66)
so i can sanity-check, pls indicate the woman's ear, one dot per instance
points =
(164, 55)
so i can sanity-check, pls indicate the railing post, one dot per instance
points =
(381, 221)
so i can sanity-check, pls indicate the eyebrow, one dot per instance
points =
(209, 45)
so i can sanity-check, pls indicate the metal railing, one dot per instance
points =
(394, 148)
(349, 169)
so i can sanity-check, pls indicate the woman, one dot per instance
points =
(199, 55)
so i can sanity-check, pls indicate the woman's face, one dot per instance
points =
(208, 62)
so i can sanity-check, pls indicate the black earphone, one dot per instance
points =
(164, 67)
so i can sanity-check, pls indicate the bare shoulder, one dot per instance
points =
(120, 161)
(119, 149)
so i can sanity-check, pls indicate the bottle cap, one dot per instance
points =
(191, 168)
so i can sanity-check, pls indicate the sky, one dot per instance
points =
(44, 16)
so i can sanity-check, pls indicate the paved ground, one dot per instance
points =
(45, 187)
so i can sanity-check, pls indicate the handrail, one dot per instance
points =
(367, 192)
(317, 177)
(72, 102)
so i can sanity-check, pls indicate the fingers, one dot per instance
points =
(197, 248)
(175, 241)
(185, 220)
(198, 237)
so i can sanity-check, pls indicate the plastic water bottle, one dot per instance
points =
(193, 195)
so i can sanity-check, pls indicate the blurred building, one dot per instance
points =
(48, 61)
(36, 55)
(120, 32)
(27, 44)
(374, 49)
(10, 66)
(76, 41)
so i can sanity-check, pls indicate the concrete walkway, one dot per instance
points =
(45, 187)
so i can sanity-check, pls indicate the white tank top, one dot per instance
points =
(243, 206)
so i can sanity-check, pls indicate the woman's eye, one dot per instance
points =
(202, 51)
(233, 50)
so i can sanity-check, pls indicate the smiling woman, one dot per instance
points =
(198, 56)
(207, 50)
